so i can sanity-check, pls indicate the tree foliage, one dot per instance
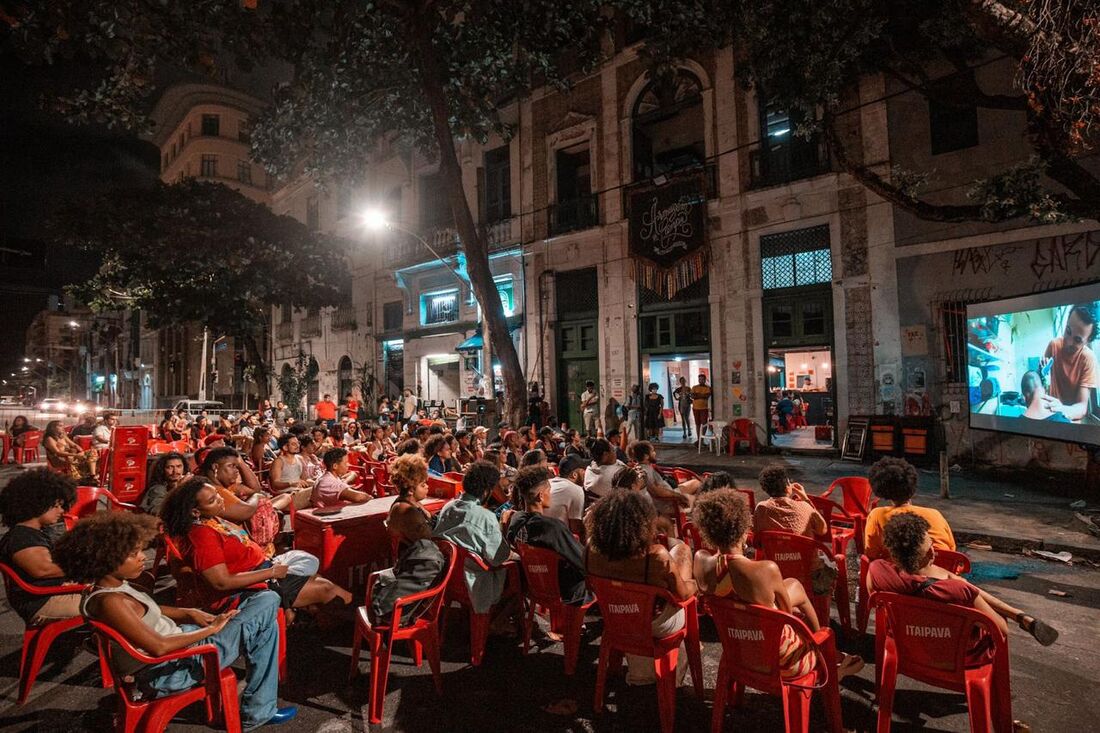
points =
(294, 381)
(201, 252)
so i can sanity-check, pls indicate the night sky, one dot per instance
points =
(44, 162)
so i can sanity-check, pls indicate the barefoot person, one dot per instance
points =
(108, 550)
(723, 519)
(911, 570)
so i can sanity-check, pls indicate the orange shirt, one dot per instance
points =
(938, 529)
(1070, 373)
(326, 410)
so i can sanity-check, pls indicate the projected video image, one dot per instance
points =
(1032, 367)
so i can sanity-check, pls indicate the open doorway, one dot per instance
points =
(801, 406)
(666, 370)
(442, 379)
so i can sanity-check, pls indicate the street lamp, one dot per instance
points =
(376, 220)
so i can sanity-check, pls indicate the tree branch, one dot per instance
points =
(883, 188)
(1001, 26)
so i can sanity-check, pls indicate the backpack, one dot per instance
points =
(264, 526)
(419, 567)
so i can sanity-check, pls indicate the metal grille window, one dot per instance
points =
(439, 307)
(392, 316)
(794, 259)
(244, 172)
(209, 166)
(953, 313)
(507, 293)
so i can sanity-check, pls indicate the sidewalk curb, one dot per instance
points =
(1017, 545)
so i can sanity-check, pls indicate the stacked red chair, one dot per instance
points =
(423, 633)
(540, 573)
(751, 638)
(627, 610)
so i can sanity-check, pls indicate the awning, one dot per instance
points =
(474, 343)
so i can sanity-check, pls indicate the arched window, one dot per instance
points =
(345, 377)
(668, 126)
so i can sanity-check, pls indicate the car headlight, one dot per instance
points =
(61, 405)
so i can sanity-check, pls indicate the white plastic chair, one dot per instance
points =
(711, 434)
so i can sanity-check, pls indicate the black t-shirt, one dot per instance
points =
(552, 534)
(17, 539)
(82, 429)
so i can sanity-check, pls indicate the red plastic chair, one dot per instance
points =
(38, 638)
(28, 452)
(442, 488)
(84, 441)
(87, 504)
(794, 554)
(855, 494)
(458, 592)
(949, 560)
(218, 689)
(929, 641)
(743, 430)
(751, 637)
(540, 571)
(844, 527)
(627, 610)
(423, 634)
(192, 592)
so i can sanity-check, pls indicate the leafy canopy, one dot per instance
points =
(201, 252)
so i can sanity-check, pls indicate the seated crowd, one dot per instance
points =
(604, 508)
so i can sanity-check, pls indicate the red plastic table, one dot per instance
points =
(5, 447)
(352, 544)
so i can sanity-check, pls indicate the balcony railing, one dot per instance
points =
(501, 234)
(404, 249)
(343, 319)
(798, 160)
(580, 213)
(311, 326)
(285, 331)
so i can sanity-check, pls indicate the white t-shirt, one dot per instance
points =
(410, 406)
(101, 436)
(586, 396)
(598, 479)
(566, 500)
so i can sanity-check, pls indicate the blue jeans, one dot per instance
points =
(254, 631)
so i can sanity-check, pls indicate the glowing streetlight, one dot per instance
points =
(375, 220)
(74, 324)
(26, 359)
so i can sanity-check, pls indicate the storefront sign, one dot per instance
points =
(668, 234)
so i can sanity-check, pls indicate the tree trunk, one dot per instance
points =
(474, 245)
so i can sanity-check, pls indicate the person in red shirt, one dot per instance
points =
(351, 405)
(231, 562)
(911, 570)
(326, 410)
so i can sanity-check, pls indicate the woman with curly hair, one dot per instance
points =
(230, 561)
(408, 520)
(622, 543)
(912, 570)
(895, 480)
(65, 456)
(30, 504)
(723, 519)
(108, 549)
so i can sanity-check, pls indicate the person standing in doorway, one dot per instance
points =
(654, 413)
(408, 405)
(326, 410)
(700, 402)
(684, 400)
(634, 414)
(590, 408)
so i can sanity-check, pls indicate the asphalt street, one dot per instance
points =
(1053, 688)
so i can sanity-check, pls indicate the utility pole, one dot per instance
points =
(202, 372)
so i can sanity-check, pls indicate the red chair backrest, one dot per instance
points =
(627, 610)
(180, 446)
(540, 570)
(457, 588)
(454, 476)
(435, 593)
(932, 638)
(855, 492)
(744, 429)
(32, 439)
(156, 447)
(752, 638)
(952, 562)
(795, 554)
(84, 441)
(835, 513)
(11, 578)
(191, 589)
(443, 488)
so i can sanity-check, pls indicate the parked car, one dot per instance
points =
(63, 406)
(194, 407)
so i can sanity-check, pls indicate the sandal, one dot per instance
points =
(849, 665)
(1043, 632)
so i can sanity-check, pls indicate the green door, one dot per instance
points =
(579, 361)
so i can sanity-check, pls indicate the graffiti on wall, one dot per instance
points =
(983, 260)
(1068, 253)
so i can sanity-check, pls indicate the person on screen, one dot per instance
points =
(1073, 364)
(1034, 393)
